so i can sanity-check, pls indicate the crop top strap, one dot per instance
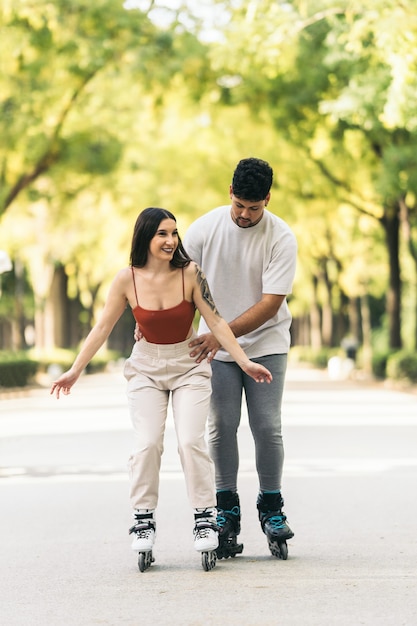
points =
(134, 285)
(183, 287)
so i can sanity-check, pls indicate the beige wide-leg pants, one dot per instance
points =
(155, 372)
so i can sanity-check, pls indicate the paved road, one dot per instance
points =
(350, 489)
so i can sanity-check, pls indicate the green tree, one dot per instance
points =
(136, 133)
(70, 76)
(339, 82)
(54, 117)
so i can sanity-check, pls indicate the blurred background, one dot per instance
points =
(107, 108)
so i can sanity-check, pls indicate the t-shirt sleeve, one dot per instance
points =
(193, 243)
(278, 276)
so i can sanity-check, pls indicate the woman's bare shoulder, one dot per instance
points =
(123, 278)
(191, 268)
(124, 274)
(194, 272)
(194, 269)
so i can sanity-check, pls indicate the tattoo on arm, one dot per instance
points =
(205, 290)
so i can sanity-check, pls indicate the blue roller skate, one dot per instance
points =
(274, 523)
(228, 522)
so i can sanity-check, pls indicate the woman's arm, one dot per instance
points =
(221, 330)
(113, 309)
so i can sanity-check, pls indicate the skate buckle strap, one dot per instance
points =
(143, 529)
(142, 516)
(204, 515)
(202, 532)
(202, 527)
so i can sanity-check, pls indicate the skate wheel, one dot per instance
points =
(145, 559)
(280, 550)
(208, 560)
(283, 551)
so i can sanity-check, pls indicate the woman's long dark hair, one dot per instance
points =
(145, 228)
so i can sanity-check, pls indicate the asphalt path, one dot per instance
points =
(350, 484)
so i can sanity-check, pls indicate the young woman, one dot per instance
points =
(163, 288)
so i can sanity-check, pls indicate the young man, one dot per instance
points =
(249, 257)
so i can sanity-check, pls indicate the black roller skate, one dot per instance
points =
(228, 521)
(274, 523)
(206, 537)
(144, 531)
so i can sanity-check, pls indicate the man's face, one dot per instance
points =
(246, 213)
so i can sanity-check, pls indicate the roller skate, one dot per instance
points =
(274, 523)
(206, 537)
(228, 521)
(144, 531)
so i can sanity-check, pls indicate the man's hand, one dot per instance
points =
(137, 335)
(204, 347)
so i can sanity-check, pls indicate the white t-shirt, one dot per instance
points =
(241, 264)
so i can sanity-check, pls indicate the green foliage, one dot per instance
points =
(379, 364)
(95, 151)
(101, 360)
(102, 113)
(340, 83)
(61, 83)
(316, 357)
(65, 358)
(15, 294)
(402, 366)
(57, 356)
(16, 369)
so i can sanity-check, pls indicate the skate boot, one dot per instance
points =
(274, 523)
(228, 521)
(206, 536)
(144, 531)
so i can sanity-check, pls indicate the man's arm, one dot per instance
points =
(206, 346)
(257, 315)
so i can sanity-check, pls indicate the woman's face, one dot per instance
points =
(165, 241)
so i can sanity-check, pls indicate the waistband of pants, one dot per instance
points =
(164, 350)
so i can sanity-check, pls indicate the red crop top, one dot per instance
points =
(165, 325)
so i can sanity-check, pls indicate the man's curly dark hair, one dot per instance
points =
(252, 179)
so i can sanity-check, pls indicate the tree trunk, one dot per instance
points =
(391, 224)
(327, 321)
(412, 248)
(316, 342)
(366, 334)
(52, 313)
(354, 319)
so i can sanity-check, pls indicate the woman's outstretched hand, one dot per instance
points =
(257, 372)
(63, 384)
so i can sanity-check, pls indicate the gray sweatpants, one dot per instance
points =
(264, 410)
